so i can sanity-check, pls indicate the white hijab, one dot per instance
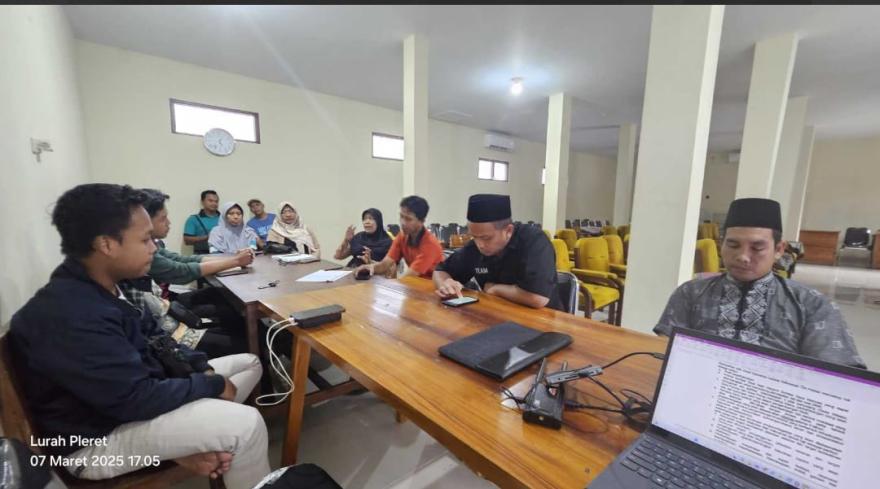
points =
(295, 231)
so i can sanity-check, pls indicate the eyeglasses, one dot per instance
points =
(270, 284)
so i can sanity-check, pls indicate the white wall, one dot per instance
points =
(38, 96)
(719, 185)
(591, 187)
(842, 190)
(315, 149)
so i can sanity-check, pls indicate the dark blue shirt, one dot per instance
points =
(82, 356)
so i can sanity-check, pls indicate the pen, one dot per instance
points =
(334, 268)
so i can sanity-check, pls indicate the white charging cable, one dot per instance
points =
(276, 365)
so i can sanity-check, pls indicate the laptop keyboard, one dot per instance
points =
(675, 469)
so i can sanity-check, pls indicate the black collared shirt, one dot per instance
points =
(528, 261)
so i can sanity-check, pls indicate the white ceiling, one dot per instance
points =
(596, 53)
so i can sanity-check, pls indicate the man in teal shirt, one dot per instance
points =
(198, 226)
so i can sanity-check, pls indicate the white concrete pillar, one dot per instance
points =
(680, 83)
(415, 115)
(793, 219)
(765, 112)
(623, 184)
(789, 157)
(556, 181)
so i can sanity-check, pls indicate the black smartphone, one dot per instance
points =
(460, 301)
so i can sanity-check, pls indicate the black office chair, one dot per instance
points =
(435, 229)
(568, 224)
(856, 238)
(454, 226)
(446, 233)
(567, 285)
(394, 228)
(856, 241)
(462, 230)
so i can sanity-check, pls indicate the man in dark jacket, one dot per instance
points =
(98, 391)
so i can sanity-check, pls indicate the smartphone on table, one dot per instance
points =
(460, 301)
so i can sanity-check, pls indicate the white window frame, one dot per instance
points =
(387, 136)
(256, 118)
(494, 163)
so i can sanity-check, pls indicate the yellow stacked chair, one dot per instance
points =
(615, 251)
(593, 254)
(706, 257)
(564, 264)
(607, 230)
(599, 276)
(569, 236)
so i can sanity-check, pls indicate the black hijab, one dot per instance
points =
(378, 242)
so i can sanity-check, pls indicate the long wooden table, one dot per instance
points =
(388, 339)
(244, 293)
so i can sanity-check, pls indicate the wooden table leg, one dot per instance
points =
(252, 318)
(300, 354)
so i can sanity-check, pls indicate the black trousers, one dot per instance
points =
(210, 303)
(223, 340)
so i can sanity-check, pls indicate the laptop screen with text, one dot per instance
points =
(803, 425)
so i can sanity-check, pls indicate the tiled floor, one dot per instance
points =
(358, 442)
(356, 439)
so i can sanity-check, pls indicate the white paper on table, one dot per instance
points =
(324, 276)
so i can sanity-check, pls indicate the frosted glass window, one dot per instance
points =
(492, 170)
(196, 119)
(387, 147)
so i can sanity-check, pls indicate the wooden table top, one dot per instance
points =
(388, 340)
(265, 269)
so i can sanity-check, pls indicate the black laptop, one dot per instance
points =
(504, 349)
(730, 415)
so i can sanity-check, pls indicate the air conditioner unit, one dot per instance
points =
(733, 157)
(499, 142)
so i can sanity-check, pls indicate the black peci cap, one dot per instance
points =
(754, 213)
(488, 208)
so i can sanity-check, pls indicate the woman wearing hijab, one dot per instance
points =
(289, 229)
(230, 234)
(371, 244)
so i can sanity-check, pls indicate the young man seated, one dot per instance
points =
(169, 267)
(508, 260)
(98, 387)
(419, 249)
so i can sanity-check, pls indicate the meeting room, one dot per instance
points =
(389, 246)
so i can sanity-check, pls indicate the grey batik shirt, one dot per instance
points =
(777, 313)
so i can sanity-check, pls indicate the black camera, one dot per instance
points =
(174, 362)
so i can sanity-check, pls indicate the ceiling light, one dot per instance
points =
(516, 86)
